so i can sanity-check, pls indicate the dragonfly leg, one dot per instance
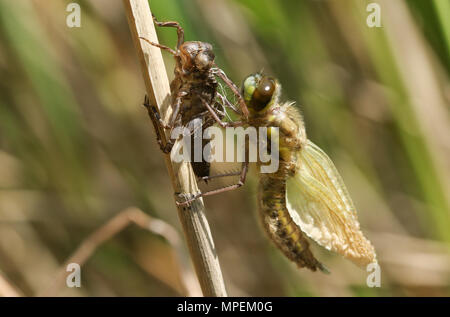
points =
(159, 124)
(173, 24)
(207, 178)
(241, 182)
(163, 47)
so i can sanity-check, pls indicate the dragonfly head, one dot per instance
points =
(196, 56)
(260, 92)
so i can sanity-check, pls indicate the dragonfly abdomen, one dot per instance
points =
(279, 225)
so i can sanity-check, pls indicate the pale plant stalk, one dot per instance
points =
(7, 289)
(192, 217)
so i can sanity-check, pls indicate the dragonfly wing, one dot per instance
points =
(319, 203)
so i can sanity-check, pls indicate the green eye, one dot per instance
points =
(249, 88)
(258, 91)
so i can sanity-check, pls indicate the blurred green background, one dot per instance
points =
(77, 147)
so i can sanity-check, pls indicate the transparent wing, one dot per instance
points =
(319, 203)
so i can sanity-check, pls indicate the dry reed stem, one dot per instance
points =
(112, 228)
(195, 226)
(7, 289)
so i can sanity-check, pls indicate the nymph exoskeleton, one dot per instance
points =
(195, 96)
(306, 194)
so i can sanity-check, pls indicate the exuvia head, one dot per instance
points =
(196, 56)
(260, 92)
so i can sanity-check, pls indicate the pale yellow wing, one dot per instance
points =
(319, 203)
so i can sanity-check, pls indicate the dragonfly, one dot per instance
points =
(194, 95)
(306, 197)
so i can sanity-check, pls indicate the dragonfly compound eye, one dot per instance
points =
(204, 60)
(188, 54)
(263, 93)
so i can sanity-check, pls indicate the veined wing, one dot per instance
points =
(319, 203)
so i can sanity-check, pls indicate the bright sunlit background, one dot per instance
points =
(77, 147)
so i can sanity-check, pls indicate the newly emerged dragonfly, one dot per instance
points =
(195, 95)
(306, 195)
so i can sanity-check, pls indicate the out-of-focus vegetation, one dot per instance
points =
(76, 146)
